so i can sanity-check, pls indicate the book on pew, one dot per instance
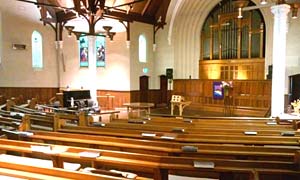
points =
(204, 164)
(98, 124)
(89, 154)
(272, 123)
(167, 137)
(49, 149)
(21, 133)
(146, 118)
(17, 115)
(288, 133)
(178, 129)
(39, 148)
(128, 175)
(136, 121)
(187, 120)
(250, 133)
(148, 134)
(189, 148)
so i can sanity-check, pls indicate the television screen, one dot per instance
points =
(218, 91)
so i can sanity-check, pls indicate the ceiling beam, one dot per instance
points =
(146, 7)
(131, 17)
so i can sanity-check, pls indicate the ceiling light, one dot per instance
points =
(263, 2)
(294, 13)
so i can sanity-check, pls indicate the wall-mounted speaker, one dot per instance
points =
(18, 46)
(169, 73)
(270, 72)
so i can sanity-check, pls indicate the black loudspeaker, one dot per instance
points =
(270, 72)
(169, 73)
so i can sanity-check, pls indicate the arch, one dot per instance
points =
(37, 50)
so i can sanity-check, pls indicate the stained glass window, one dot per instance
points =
(100, 51)
(84, 51)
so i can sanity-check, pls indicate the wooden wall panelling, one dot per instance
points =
(250, 69)
(42, 94)
(120, 97)
(246, 93)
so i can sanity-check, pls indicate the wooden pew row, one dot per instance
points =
(163, 147)
(32, 120)
(222, 122)
(159, 166)
(15, 170)
(187, 138)
(271, 130)
(25, 110)
(11, 123)
(283, 121)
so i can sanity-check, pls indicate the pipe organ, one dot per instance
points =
(231, 47)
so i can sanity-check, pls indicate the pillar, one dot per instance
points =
(92, 75)
(279, 57)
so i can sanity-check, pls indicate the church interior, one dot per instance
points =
(150, 89)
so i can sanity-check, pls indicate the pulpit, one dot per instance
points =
(178, 101)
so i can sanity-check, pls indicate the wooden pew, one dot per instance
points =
(190, 138)
(169, 148)
(7, 122)
(193, 128)
(16, 170)
(159, 166)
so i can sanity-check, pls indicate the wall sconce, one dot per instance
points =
(263, 2)
(109, 34)
(106, 28)
(240, 15)
(70, 30)
(294, 12)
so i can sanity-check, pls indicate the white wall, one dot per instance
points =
(114, 76)
(136, 68)
(16, 67)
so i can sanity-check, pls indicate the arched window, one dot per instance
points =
(37, 50)
(100, 51)
(142, 48)
(84, 51)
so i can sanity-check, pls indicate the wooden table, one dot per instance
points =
(139, 106)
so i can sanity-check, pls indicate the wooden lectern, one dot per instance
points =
(178, 101)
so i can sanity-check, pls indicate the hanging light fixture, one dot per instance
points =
(294, 12)
(263, 2)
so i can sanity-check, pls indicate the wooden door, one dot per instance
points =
(295, 87)
(163, 89)
(144, 88)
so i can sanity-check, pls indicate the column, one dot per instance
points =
(92, 75)
(279, 57)
(59, 58)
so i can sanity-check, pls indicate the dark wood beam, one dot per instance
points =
(65, 16)
(162, 11)
(146, 7)
(131, 17)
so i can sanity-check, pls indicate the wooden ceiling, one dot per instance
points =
(145, 11)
